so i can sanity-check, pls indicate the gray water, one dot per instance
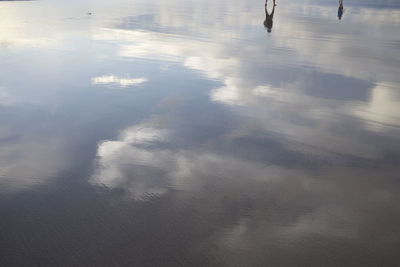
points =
(199, 133)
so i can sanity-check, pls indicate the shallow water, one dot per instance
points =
(184, 133)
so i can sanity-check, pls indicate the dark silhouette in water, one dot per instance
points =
(268, 22)
(340, 10)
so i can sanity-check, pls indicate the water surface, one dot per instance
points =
(199, 133)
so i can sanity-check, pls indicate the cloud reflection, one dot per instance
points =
(31, 161)
(123, 82)
(330, 60)
(275, 208)
(312, 97)
(287, 155)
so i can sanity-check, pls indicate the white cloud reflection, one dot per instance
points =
(319, 96)
(127, 163)
(322, 47)
(30, 162)
(136, 163)
(382, 111)
(283, 207)
(5, 98)
(115, 80)
(274, 86)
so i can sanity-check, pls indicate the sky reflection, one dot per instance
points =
(224, 145)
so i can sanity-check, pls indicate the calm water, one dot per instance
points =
(199, 133)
